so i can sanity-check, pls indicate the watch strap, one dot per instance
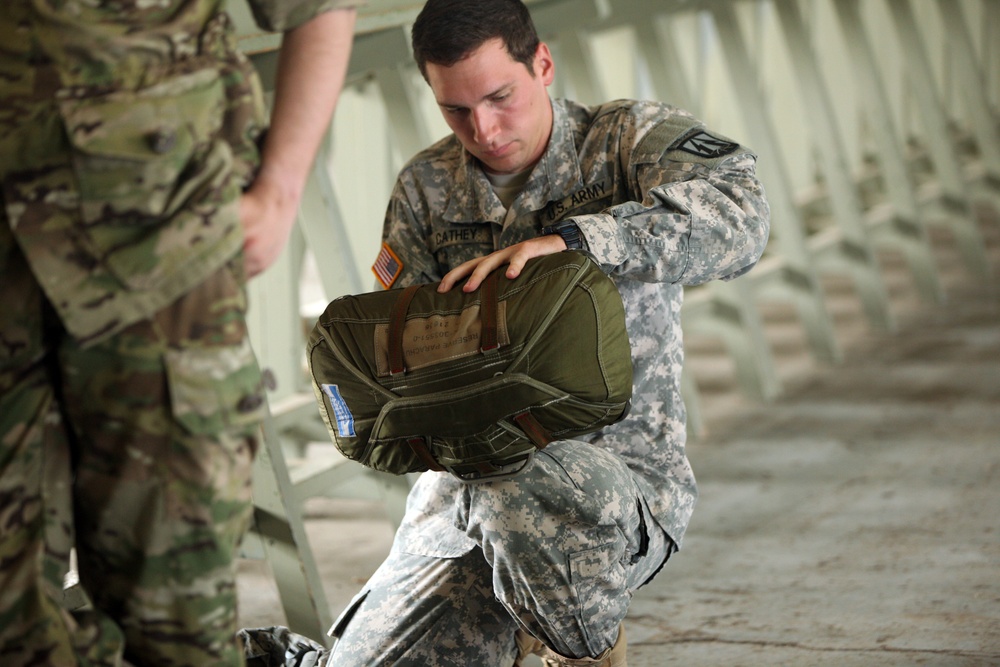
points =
(569, 231)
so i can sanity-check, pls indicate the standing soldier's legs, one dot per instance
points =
(34, 479)
(30, 623)
(166, 414)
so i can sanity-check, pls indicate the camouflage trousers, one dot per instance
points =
(557, 550)
(136, 451)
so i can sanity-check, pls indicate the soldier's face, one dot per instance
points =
(498, 109)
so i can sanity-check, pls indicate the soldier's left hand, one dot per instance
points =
(515, 255)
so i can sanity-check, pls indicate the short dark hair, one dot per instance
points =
(447, 31)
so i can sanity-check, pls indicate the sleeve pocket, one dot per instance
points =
(215, 389)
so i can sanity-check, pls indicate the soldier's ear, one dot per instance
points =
(544, 65)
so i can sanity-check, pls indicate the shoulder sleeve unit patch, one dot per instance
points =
(704, 145)
(387, 266)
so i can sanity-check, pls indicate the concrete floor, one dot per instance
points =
(853, 521)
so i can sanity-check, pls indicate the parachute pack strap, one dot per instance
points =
(397, 320)
(423, 452)
(489, 314)
(532, 428)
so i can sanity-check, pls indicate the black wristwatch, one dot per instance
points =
(569, 231)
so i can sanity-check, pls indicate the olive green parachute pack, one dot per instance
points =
(474, 383)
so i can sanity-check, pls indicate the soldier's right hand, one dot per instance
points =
(516, 255)
(267, 212)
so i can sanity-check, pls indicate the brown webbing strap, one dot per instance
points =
(489, 314)
(420, 448)
(533, 429)
(397, 320)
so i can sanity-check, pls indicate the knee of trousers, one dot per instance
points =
(560, 538)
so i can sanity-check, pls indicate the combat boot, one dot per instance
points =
(612, 657)
(277, 646)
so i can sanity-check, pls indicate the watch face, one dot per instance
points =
(571, 235)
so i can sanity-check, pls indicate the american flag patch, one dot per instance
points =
(387, 267)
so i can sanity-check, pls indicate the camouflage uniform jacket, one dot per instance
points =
(661, 202)
(140, 119)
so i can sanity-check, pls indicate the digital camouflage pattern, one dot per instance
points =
(559, 550)
(655, 216)
(129, 396)
(467, 609)
(662, 203)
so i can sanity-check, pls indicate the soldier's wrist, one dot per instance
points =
(570, 233)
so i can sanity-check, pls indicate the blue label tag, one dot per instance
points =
(341, 413)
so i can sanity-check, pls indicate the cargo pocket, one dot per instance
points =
(600, 583)
(216, 389)
(143, 159)
(130, 148)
